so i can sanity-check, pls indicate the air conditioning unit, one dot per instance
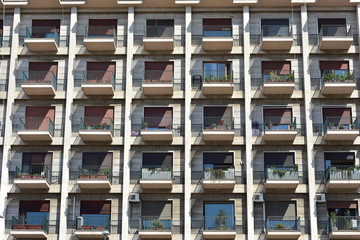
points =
(258, 197)
(79, 222)
(320, 198)
(42, 174)
(134, 197)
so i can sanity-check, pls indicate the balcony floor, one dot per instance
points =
(280, 135)
(38, 90)
(218, 135)
(217, 43)
(97, 89)
(284, 234)
(89, 234)
(336, 43)
(218, 183)
(28, 234)
(219, 234)
(94, 183)
(100, 44)
(284, 88)
(157, 135)
(217, 88)
(35, 136)
(32, 183)
(281, 184)
(277, 43)
(158, 44)
(158, 88)
(342, 184)
(338, 88)
(155, 234)
(96, 136)
(156, 183)
(41, 44)
(341, 135)
(345, 234)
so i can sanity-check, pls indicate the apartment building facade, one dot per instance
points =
(179, 119)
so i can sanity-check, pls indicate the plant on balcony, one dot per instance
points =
(281, 226)
(36, 176)
(350, 77)
(279, 172)
(24, 175)
(228, 126)
(169, 126)
(146, 125)
(210, 78)
(330, 77)
(157, 224)
(214, 126)
(291, 77)
(352, 126)
(269, 125)
(103, 174)
(331, 125)
(216, 173)
(105, 126)
(292, 126)
(220, 220)
(333, 221)
(84, 173)
(294, 168)
(87, 227)
(341, 126)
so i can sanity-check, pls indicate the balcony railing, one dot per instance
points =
(33, 172)
(158, 76)
(279, 123)
(94, 172)
(98, 77)
(100, 32)
(159, 31)
(96, 124)
(343, 172)
(282, 173)
(39, 77)
(218, 123)
(338, 76)
(276, 31)
(219, 222)
(156, 172)
(157, 123)
(30, 223)
(36, 124)
(337, 223)
(93, 222)
(340, 123)
(283, 223)
(217, 31)
(213, 76)
(220, 172)
(334, 31)
(278, 76)
(42, 32)
(155, 223)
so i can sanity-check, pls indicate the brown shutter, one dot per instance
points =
(334, 65)
(99, 111)
(342, 204)
(158, 159)
(278, 115)
(160, 71)
(158, 116)
(343, 114)
(283, 66)
(103, 22)
(34, 206)
(97, 159)
(331, 21)
(218, 158)
(41, 71)
(163, 209)
(101, 71)
(47, 23)
(286, 159)
(279, 208)
(37, 117)
(97, 27)
(95, 207)
(217, 21)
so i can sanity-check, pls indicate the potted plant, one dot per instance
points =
(228, 126)
(24, 176)
(157, 224)
(270, 125)
(341, 126)
(84, 174)
(104, 126)
(331, 125)
(36, 176)
(146, 125)
(218, 173)
(221, 220)
(103, 174)
(280, 226)
(214, 126)
(19, 226)
(87, 227)
(292, 126)
(169, 126)
(34, 227)
(333, 221)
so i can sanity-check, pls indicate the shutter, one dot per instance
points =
(37, 117)
(103, 22)
(42, 71)
(274, 209)
(330, 21)
(283, 66)
(342, 204)
(34, 206)
(278, 115)
(286, 159)
(102, 27)
(47, 23)
(97, 159)
(162, 209)
(217, 21)
(275, 22)
(158, 116)
(334, 65)
(337, 115)
(216, 114)
(101, 71)
(218, 158)
(340, 158)
(95, 207)
(160, 71)
(99, 111)
(157, 159)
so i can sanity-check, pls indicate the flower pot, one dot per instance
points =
(25, 176)
(87, 227)
(34, 227)
(101, 176)
(101, 228)
(36, 176)
(84, 176)
(19, 226)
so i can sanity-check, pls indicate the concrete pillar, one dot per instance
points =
(67, 126)
(309, 124)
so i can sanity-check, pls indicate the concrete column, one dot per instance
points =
(187, 147)
(309, 124)
(67, 126)
(358, 20)
(8, 119)
(248, 126)
(127, 125)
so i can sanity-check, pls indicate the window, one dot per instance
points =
(217, 71)
(158, 117)
(217, 27)
(45, 28)
(218, 117)
(337, 117)
(278, 118)
(275, 27)
(332, 26)
(159, 72)
(160, 28)
(96, 214)
(36, 163)
(34, 212)
(339, 159)
(42, 72)
(219, 216)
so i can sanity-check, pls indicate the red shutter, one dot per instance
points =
(341, 115)
(42, 71)
(37, 117)
(102, 27)
(334, 65)
(97, 115)
(278, 115)
(47, 23)
(158, 116)
(101, 71)
(95, 207)
(34, 206)
(159, 71)
(283, 66)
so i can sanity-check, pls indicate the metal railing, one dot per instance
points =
(214, 76)
(97, 124)
(157, 123)
(158, 76)
(36, 124)
(342, 172)
(219, 222)
(155, 223)
(282, 172)
(276, 31)
(218, 123)
(279, 123)
(219, 172)
(30, 223)
(94, 172)
(217, 31)
(286, 223)
(42, 32)
(340, 123)
(100, 32)
(98, 77)
(278, 76)
(33, 172)
(156, 172)
(334, 75)
(93, 222)
(159, 31)
(337, 223)
(334, 31)
(39, 77)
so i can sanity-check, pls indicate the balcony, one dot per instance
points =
(33, 177)
(338, 82)
(218, 130)
(156, 177)
(335, 37)
(219, 227)
(344, 227)
(157, 129)
(343, 177)
(42, 39)
(341, 129)
(217, 83)
(100, 38)
(280, 129)
(219, 177)
(32, 129)
(276, 37)
(94, 177)
(34, 227)
(155, 228)
(92, 226)
(98, 83)
(278, 82)
(158, 82)
(39, 83)
(96, 129)
(217, 37)
(159, 38)
(283, 228)
(281, 177)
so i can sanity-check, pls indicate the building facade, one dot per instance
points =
(179, 119)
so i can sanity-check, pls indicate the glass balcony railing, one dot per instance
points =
(213, 76)
(98, 77)
(93, 222)
(100, 32)
(335, 31)
(49, 32)
(155, 223)
(338, 76)
(219, 222)
(94, 172)
(219, 172)
(286, 223)
(276, 31)
(30, 223)
(157, 123)
(96, 124)
(343, 172)
(278, 76)
(282, 173)
(217, 31)
(158, 76)
(279, 123)
(340, 123)
(218, 123)
(39, 78)
(36, 124)
(156, 172)
(33, 172)
(159, 31)
(347, 223)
